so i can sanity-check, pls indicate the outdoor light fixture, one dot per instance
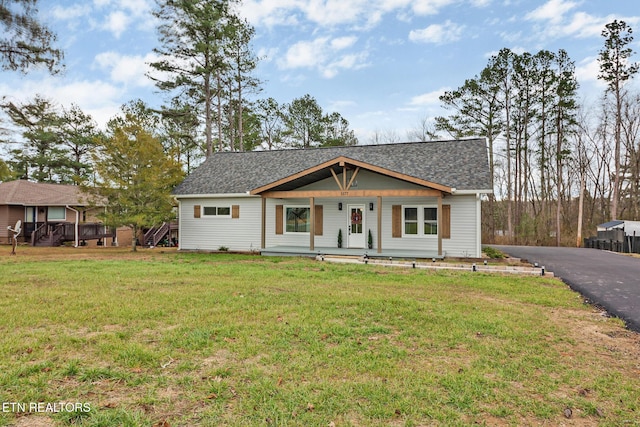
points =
(371, 206)
(340, 206)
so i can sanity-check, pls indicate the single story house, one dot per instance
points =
(421, 199)
(630, 228)
(50, 214)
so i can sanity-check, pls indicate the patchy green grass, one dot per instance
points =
(202, 339)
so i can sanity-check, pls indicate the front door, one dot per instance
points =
(356, 233)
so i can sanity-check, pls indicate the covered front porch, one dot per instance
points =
(327, 201)
(370, 253)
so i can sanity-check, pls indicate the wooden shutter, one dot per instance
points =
(446, 221)
(235, 211)
(196, 211)
(396, 221)
(279, 219)
(318, 220)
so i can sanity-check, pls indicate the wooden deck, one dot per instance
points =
(55, 234)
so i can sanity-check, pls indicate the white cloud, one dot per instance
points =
(70, 13)
(429, 98)
(437, 33)
(343, 42)
(98, 98)
(429, 7)
(552, 11)
(557, 22)
(270, 13)
(325, 55)
(340, 105)
(117, 22)
(126, 69)
(588, 69)
(334, 12)
(361, 14)
(346, 62)
(306, 54)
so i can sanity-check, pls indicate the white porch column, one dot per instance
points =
(440, 224)
(379, 224)
(312, 218)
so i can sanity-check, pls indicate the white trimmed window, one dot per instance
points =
(56, 213)
(217, 211)
(297, 219)
(419, 221)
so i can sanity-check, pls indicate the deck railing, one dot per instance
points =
(54, 234)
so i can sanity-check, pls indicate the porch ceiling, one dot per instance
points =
(310, 178)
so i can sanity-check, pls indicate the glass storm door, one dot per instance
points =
(356, 226)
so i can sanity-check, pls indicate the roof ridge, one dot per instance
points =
(342, 147)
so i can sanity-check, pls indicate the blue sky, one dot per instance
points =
(380, 63)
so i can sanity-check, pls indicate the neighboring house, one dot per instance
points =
(630, 228)
(51, 214)
(617, 236)
(420, 198)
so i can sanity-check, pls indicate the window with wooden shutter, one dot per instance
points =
(396, 221)
(235, 211)
(196, 211)
(318, 220)
(446, 221)
(279, 219)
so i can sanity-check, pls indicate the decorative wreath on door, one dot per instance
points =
(356, 217)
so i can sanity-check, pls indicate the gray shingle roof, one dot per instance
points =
(460, 164)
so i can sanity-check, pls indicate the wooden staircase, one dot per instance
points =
(157, 234)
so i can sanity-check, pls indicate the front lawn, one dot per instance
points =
(182, 339)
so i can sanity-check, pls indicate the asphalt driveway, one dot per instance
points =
(607, 279)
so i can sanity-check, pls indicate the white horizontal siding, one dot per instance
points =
(464, 231)
(244, 233)
(464, 241)
(211, 233)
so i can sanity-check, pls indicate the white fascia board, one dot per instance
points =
(213, 196)
(467, 192)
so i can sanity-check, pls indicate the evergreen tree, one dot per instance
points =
(25, 42)
(615, 70)
(206, 62)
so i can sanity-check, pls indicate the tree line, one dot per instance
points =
(558, 167)
(206, 71)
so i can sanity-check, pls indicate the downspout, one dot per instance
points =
(77, 226)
